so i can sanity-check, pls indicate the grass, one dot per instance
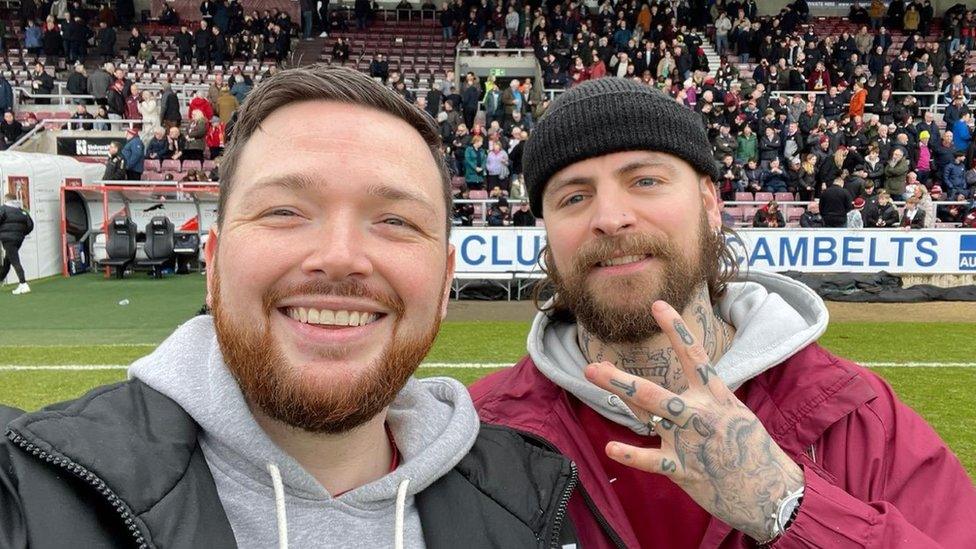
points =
(80, 322)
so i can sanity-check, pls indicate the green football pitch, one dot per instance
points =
(70, 335)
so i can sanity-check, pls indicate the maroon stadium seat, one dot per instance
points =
(763, 197)
(743, 197)
(783, 197)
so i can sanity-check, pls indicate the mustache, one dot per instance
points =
(344, 288)
(605, 248)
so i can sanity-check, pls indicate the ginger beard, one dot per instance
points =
(619, 310)
(290, 393)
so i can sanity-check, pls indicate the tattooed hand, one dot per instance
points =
(712, 446)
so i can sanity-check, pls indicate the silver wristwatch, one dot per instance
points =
(784, 514)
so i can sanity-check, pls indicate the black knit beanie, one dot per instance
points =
(609, 115)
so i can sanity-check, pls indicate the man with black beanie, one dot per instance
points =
(15, 225)
(632, 363)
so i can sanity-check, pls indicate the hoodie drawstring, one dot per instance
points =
(279, 492)
(401, 503)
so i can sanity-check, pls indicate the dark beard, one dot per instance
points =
(634, 323)
(283, 392)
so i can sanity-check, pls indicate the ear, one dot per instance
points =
(448, 279)
(210, 257)
(710, 202)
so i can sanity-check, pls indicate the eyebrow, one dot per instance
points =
(299, 182)
(619, 172)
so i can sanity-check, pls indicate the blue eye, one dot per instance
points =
(395, 222)
(646, 182)
(573, 199)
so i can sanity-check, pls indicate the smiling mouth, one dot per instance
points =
(623, 260)
(331, 318)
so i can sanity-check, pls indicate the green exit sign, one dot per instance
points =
(496, 72)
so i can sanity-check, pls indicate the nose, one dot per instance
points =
(611, 213)
(338, 250)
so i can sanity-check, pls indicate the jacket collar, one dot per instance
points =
(143, 446)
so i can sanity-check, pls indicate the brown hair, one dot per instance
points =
(323, 83)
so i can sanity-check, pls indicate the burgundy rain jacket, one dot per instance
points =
(876, 474)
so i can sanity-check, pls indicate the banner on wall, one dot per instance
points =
(85, 146)
(953, 251)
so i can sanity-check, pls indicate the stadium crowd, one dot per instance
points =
(821, 118)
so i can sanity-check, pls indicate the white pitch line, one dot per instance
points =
(460, 365)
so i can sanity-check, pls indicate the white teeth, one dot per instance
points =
(326, 317)
(329, 317)
(622, 260)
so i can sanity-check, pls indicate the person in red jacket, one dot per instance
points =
(694, 400)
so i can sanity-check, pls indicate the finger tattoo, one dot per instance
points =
(668, 466)
(675, 406)
(705, 371)
(631, 389)
(683, 332)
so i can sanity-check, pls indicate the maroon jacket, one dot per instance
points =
(876, 474)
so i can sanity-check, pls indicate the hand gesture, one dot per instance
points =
(712, 446)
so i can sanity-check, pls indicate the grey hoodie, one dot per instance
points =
(433, 422)
(774, 317)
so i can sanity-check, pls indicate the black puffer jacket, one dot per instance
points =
(121, 467)
(15, 224)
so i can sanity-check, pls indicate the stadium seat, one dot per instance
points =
(191, 165)
(120, 245)
(151, 165)
(783, 197)
(743, 197)
(794, 213)
(171, 165)
(748, 213)
(159, 244)
(152, 176)
(763, 197)
(208, 165)
(734, 211)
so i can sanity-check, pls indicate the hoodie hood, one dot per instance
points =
(774, 317)
(432, 421)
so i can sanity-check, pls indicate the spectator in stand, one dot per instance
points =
(132, 103)
(133, 153)
(953, 176)
(169, 107)
(885, 215)
(962, 132)
(53, 42)
(895, 171)
(107, 40)
(379, 67)
(184, 42)
(42, 83)
(774, 178)
(136, 40)
(6, 95)
(226, 104)
(746, 146)
(99, 81)
(752, 174)
(202, 104)
(196, 134)
(463, 213)
(115, 101)
(81, 113)
(835, 202)
(202, 39)
(769, 216)
(242, 86)
(149, 111)
(498, 212)
(523, 216)
(10, 129)
(923, 155)
(175, 143)
(914, 217)
(33, 37)
(115, 164)
(157, 148)
(811, 218)
(855, 218)
(496, 164)
(216, 137)
(475, 158)
(78, 83)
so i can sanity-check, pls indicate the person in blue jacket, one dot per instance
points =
(134, 152)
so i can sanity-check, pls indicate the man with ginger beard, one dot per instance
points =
(694, 399)
(290, 417)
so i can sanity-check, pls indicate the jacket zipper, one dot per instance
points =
(88, 477)
(563, 509)
(614, 537)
